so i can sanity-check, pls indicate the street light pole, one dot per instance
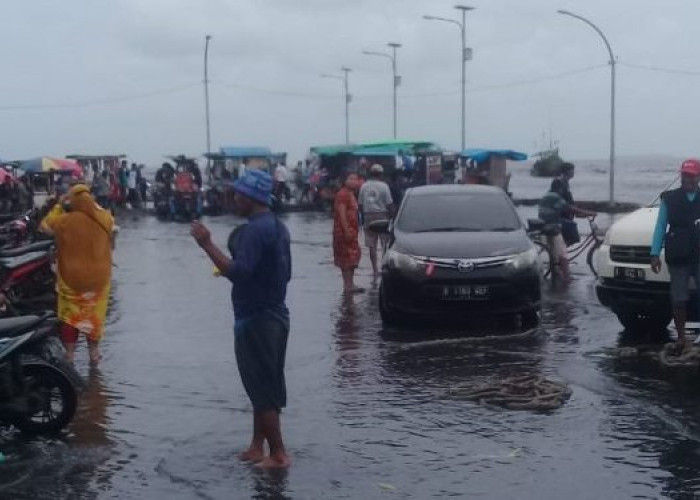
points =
(206, 98)
(464, 10)
(613, 64)
(348, 98)
(465, 55)
(396, 78)
(395, 46)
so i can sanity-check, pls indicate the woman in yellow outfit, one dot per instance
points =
(83, 234)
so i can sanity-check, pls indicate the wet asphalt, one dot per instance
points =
(370, 412)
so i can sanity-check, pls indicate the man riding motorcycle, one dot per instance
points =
(163, 193)
(187, 199)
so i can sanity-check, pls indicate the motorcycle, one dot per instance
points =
(38, 386)
(27, 278)
(214, 198)
(20, 230)
(161, 200)
(186, 203)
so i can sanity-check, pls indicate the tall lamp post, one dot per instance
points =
(348, 98)
(612, 97)
(466, 55)
(206, 99)
(396, 80)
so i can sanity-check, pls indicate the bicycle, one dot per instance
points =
(539, 234)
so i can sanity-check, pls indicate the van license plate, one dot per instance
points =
(629, 274)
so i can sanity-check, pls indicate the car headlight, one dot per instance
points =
(523, 260)
(402, 262)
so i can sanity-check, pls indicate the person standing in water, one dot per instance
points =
(259, 271)
(375, 204)
(677, 230)
(346, 246)
(83, 234)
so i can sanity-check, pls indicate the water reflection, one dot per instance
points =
(271, 485)
(91, 423)
(74, 466)
(370, 414)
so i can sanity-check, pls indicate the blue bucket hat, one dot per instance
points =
(255, 184)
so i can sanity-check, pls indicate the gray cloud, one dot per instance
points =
(273, 51)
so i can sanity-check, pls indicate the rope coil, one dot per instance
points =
(530, 392)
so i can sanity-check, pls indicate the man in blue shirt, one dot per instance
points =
(679, 212)
(259, 269)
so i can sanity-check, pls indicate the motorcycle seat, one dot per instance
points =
(12, 263)
(13, 327)
(39, 246)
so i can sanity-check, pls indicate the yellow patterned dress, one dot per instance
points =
(83, 236)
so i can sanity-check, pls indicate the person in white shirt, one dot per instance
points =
(132, 184)
(375, 204)
(281, 173)
(281, 187)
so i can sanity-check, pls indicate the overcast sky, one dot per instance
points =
(62, 61)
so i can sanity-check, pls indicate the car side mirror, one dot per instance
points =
(380, 226)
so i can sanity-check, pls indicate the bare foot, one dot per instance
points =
(274, 463)
(251, 455)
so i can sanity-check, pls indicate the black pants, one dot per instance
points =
(261, 349)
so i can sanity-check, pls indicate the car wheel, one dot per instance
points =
(389, 317)
(530, 318)
(653, 322)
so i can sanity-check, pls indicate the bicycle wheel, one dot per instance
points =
(546, 260)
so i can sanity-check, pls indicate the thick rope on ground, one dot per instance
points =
(669, 356)
(672, 356)
(531, 392)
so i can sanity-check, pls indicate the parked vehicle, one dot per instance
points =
(161, 199)
(38, 386)
(19, 230)
(458, 252)
(186, 200)
(626, 285)
(215, 198)
(26, 276)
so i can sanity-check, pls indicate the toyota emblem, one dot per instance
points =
(465, 266)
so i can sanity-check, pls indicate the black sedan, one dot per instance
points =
(458, 253)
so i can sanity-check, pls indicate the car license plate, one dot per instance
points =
(465, 292)
(629, 274)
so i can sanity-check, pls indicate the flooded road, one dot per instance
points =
(369, 416)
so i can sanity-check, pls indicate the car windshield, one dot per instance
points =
(457, 212)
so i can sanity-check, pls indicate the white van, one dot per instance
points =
(626, 284)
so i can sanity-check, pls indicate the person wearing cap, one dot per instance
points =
(376, 204)
(677, 231)
(259, 272)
